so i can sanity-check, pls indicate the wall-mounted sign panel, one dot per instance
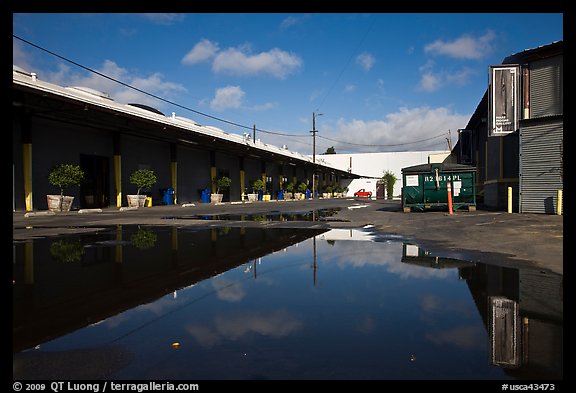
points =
(503, 99)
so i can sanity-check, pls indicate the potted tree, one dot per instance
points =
(389, 180)
(290, 191)
(143, 179)
(302, 187)
(257, 187)
(223, 183)
(63, 176)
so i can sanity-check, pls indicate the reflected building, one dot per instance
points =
(64, 284)
(522, 310)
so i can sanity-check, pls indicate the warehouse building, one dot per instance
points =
(515, 136)
(53, 124)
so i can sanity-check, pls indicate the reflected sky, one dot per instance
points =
(334, 306)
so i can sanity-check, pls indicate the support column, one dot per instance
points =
(117, 170)
(263, 171)
(281, 176)
(27, 168)
(213, 171)
(242, 178)
(27, 162)
(174, 170)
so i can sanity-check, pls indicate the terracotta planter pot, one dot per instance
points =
(136, 200)
(54, 203)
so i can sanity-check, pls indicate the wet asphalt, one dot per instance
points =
(486, 236)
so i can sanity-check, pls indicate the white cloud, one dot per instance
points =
(464, 47)
(227, 97)
(227, 290)
(164, 19)
(397, 130)
(153, 84)
(366, 61)
(429, 82)
(275, 324)
(349, 88)
(292, 20)
(460, 77)
(202, 51)
(241, 61)
(464, 337)
(238, 61)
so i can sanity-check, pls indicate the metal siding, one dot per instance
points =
(546, 95)
(540, 177)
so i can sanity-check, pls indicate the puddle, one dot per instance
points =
(168, 303)
(316, 215)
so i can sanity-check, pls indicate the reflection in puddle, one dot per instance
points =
(315, 215)
(179, 303)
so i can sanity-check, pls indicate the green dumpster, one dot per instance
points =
(425, 186)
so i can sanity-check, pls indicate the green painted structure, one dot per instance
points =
(425, 186)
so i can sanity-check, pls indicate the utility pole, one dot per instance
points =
(314, 151)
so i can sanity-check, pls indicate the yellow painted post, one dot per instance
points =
(213, 178)
(118, 179)
(559, 207)
(174, 170)
(509, 199)
(27, 168)
(242, 186)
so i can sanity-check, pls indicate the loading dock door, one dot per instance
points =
(95, 190)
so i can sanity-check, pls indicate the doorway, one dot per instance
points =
(95, 189)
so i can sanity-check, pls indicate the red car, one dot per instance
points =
(362, 193)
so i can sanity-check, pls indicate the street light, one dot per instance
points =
(314, 115)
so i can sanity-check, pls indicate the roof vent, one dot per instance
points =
(147, 108)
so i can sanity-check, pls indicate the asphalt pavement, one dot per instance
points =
(492, 237)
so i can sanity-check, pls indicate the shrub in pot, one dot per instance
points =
(63, 176)
(258, 186)
(143, 179)
(223, 182)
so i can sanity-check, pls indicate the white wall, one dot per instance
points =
(371, 166)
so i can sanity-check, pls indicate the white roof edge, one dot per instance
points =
(27, 80)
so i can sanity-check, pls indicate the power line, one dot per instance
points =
(347, 63)
(155, 96)
(376, 145)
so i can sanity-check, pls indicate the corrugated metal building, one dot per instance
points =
(528, 159)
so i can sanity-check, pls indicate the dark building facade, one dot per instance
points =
(527, 157)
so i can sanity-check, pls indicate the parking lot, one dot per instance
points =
(486, 236)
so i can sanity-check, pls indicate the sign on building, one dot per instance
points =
(503, 99)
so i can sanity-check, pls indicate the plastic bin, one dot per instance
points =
(168, 196)
(425, 186)
(205, 196)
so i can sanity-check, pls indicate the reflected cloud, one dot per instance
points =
(463, 337)
(275, 324)
(366, 325)
(228, 290)
(388, 254)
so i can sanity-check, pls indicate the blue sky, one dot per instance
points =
(381, 82)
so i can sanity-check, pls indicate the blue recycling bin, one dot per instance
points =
(280, 195)
(307, 193)
(260, 193)
(168, 196)
(205, 197)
